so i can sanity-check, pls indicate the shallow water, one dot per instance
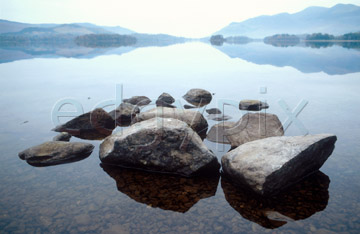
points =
(85, 197)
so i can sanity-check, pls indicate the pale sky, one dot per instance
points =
(192, 18)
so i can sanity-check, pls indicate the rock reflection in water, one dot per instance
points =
(163, 191)
(298, 202)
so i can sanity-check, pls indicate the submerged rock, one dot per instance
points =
(167, 192)
(217, 132)
(138, 100)
(159, 144)
(63, 136)
(56, 152)
(198, 97)
(252, 105)
(213, 111)
(254, 126)
(124, 114)
(167, 98)
(298, 202)
(96, 124)
(193, 118)
(270, 165)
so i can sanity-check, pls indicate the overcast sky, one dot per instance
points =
(193, 18)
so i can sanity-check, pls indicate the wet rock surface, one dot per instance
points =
(217, 132)
(56, 152)
(193, 118)
(124, 113)
(198, 97)
(138, 100)
(63, 136)
(252, 105)
(270, 165)
(254, 126)
(162, 191)
(93, 125)
(159, 144)
(213, 111)
(299, 201)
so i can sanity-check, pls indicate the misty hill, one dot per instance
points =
(16, 27)
(339, 19)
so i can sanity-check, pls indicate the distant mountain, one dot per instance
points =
(75, 28)
(339, 19)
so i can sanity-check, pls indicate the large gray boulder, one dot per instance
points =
(138, 100)
(198, 97)
(269, 165)
(124, 113)
(93, 125)
(193, 118)
(159, 144)
(56, 152)
(254, 126)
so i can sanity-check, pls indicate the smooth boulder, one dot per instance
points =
(56, 152)
(165, 97)
(198, 97)
(124, 113)
(252, 105)
(159, 144)
(254, 126)
(193, 118)
(96, 124)
(270, 165)
(138, 100)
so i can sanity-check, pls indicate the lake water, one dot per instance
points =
(85, 197)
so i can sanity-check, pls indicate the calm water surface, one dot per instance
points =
(86, 197)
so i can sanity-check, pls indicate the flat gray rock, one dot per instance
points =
(193, 118)
(252, 105)
(159, 144)
(218, 117)
(56, 152)
(138, 100)
(269, 165)
(124, 113)
(254, 126)
(198, 97)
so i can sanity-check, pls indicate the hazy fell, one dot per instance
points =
(339, 19)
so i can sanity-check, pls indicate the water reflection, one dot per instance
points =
(163, 191)
(334, 60)
(298, 202)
